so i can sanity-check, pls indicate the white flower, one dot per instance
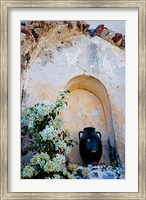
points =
(40, 159)
(36, 113)
(59, 159)
(68, 149)
(49, 133)
(51, 167)
(43, 108)
(55, 164)
(57, 123)
(30, 123)
(28, 171)
(60, 145)
(64, 171)
(71, 177)
(56, 176)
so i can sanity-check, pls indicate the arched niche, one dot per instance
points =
(96, 87)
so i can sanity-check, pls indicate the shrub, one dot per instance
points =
(47, 139)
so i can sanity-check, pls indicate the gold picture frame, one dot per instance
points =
(141, 5)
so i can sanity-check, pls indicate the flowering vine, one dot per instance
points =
(48, 141)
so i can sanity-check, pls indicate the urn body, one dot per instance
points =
(90, 145)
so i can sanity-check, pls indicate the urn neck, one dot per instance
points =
(89, 130)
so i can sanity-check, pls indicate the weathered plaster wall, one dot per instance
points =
(56, 62)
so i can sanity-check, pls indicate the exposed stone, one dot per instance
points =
(102, 171)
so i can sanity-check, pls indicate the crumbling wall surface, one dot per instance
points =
(63, 54)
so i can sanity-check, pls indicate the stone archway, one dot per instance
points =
(85, 110)
(93, 86)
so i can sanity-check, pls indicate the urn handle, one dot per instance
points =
(80, 134)
(98, 133)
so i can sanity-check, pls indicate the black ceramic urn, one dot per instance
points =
(90, 145)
